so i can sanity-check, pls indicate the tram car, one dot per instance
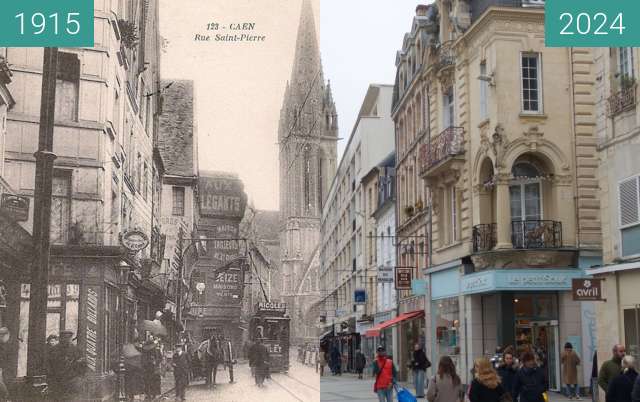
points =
(271, 324)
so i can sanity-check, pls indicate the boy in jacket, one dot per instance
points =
(386, 375)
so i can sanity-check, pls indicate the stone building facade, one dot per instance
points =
(307, 137)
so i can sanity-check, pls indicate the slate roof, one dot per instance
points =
(177, 137)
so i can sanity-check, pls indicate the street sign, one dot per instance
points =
(587, 289)
(134, 240)
(403, 278)
(360, 296)
(15, 206)
(272, 307)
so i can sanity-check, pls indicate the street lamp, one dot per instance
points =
(123, 282)
(200, 287)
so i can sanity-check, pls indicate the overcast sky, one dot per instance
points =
(239, 86)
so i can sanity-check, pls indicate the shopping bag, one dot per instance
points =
(404, 395)
(546, 397)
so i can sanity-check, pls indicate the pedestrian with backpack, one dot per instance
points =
(530, 384)
(386, 376)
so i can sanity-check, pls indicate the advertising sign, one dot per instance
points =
(272, 307)
(221, 196)
(360, 296)
(403, 278)
(385, 275)
(92, 328)
(225, 288)
(134, 240)
(586, 289)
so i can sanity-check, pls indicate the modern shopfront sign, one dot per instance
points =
(517, 279)
(360, 296)
(419, 287)
(403, 278)
(587, 289)
(445, 283)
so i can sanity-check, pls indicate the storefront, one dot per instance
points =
(527, 309)
(445, 309)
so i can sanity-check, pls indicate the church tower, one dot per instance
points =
(307, 138)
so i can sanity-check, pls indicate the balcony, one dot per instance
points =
(531, 234)
(446, 57)
(622, 101)
(484, 237)
(445, 147)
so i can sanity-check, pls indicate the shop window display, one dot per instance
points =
(448, 329)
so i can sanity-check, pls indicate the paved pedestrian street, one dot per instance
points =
(348, 388)
(301, 384)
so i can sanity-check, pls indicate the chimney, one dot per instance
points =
(421, 10)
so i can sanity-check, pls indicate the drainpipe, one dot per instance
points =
(574, 156)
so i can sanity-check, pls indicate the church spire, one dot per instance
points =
(307, 66)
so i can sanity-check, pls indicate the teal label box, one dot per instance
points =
(46, 23)
(592, 23)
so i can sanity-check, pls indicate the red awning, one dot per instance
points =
(375, 331)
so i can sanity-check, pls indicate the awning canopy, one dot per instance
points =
(375, 331)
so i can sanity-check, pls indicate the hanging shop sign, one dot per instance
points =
(587, 289)
(385, 275)
(272, 307)
(360, 296)
(134, 240)
(15, 206)
(403, 278)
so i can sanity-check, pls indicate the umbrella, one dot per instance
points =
(132, 356)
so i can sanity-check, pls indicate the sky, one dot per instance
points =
(239, 86)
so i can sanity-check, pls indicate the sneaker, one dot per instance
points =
(578, 398)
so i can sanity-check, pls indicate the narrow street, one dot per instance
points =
(348, 388)
(301, 384)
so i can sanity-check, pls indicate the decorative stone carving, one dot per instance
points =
(498, 145)
(460, 15)
(533, 137)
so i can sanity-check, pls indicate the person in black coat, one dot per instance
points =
(336, 361)
(419, 366)
(180, 371)
(635, 394)
(361, 363)
(507, 372)
(621, 386)
(530, 383)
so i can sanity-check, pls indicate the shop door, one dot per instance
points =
(547, 346)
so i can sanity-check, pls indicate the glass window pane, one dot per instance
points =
(71, 311)
(532, 201)
(516, 202)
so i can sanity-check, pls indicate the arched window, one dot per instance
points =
(525, 191)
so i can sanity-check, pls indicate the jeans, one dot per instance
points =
(418, 382)
(385, 395)
(572, 390)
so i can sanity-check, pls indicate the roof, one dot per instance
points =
(267, 224)
(177, 134)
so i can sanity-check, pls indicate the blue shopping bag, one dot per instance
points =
(404, 395)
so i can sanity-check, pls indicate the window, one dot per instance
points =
(145, 181)
(307, 180)
(531, 83)
(484, 90)
(448, 109)
(61, 207)
(116, 111)
(525, 193)
(178, 201)
(629, 205)
(625, 63)
(632, 330)
(67, 87)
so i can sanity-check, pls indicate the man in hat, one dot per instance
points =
(180, 371)
(66, 366)
(386, 375)
(4, 362)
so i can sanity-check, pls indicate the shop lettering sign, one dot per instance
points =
(385, 275)
(537, 280)
(221, 196)
(15, 206)
(272, 307)
(473, 284)
(92, 328)
(134, 240)
(587, 289)
(403, 278)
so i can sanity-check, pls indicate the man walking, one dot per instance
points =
(611, 368)
(419, 365)
(361, 362)
(66, 366)
(180, 371)
(386, 376)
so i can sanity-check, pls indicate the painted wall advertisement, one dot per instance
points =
(91, 329)
(221, 196)
(225, 288)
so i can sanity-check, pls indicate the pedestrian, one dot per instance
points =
(261, 363)
(66, 366)
(485, 386)
(229, 361)
(361, 363)
(181, 369)
(336, 361)
(419, 365)
(52, 340)
(611, 368)
(621, 386)
(530, 384)
(322, 360)
(5, 351)
(570, 361)
(507, 371)
(445, 386)
(635, 394)
(151, 360)
(386, 376)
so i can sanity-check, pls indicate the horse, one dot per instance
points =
(211, 355)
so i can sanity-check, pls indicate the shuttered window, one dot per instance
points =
(629, 205)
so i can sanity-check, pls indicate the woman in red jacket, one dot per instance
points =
(386, 374)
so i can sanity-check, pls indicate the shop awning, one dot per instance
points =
(375, 331)
(329, 332)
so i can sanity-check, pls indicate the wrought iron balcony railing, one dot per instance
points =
(530, 234)
(446, 144)
(622, 101)
(484, 237)
(446, 56)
